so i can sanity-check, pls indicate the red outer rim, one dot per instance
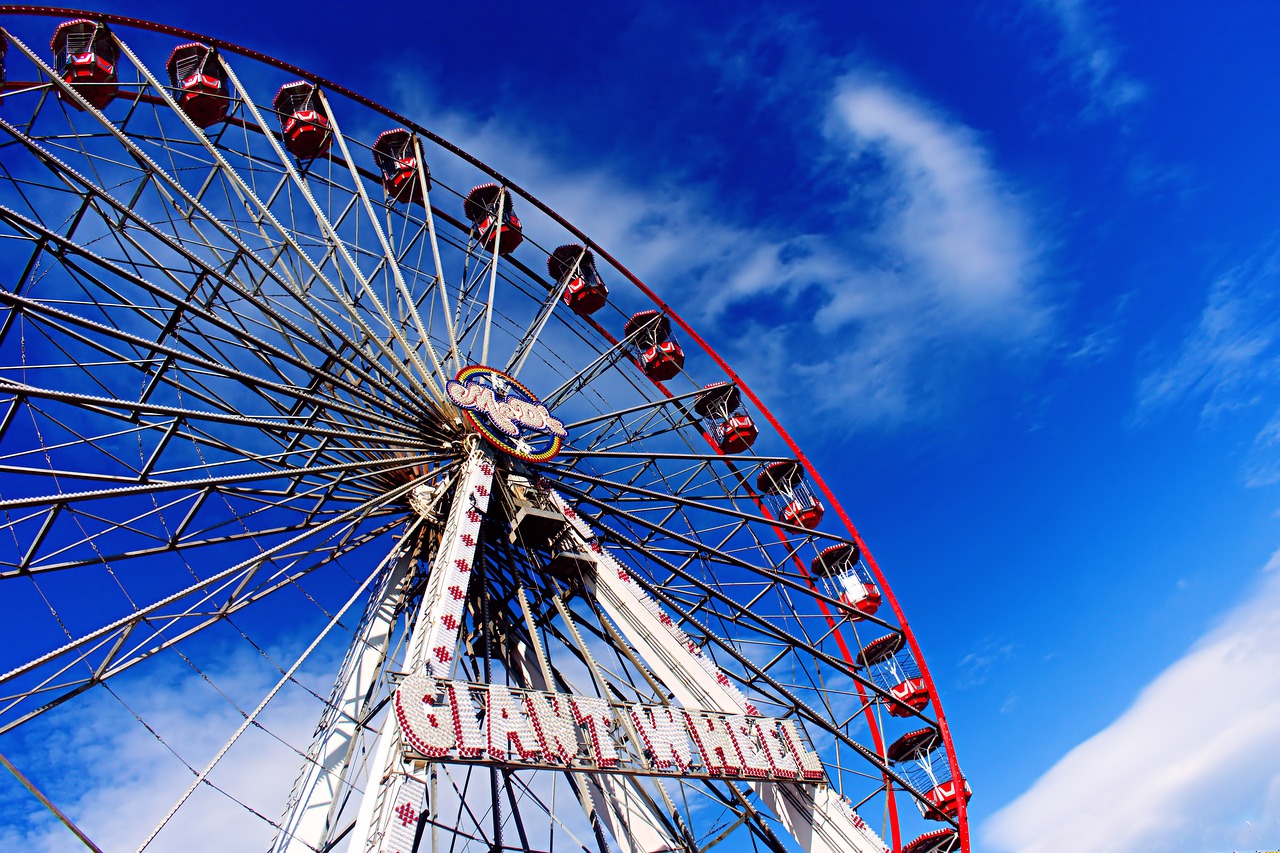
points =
(190, 35)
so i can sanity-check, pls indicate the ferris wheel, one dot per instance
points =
(275, 359)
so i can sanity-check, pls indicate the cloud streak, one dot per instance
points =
(930, 256)
(948, 225)
(1228, 361)
(1190, 766)
(1230, 350)
(1092, 57)
(116, 779)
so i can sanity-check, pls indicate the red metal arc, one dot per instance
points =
(230, 47)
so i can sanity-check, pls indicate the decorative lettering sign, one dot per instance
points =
(506, 413)
(458, 721)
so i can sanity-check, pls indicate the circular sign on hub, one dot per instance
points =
(506, 413)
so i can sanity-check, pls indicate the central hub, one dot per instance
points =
(506, 414)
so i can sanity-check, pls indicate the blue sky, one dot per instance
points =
(1006, 270)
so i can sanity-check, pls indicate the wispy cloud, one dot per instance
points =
(1230, 358)
(1263, 466)
(949, 225)
(117, 779)
(976, 666)
(930, 255)
(1228, 363)
(1101, 335)
(1092, 56)
(1190, 766)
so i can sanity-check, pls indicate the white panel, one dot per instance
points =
(404, 802)
(628, 816)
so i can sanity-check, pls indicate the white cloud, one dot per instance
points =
(1264, 465)
(1092, 56)
(116, 779)
(1226, 354)
(950, 226)
(950, 264)
(1192, 766)
(976, 666)
(1102, 335)
(1228, 361)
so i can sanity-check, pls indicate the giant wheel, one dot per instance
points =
(274, 357)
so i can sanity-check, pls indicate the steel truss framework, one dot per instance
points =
(221, 395)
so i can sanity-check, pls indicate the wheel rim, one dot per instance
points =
(252, 328)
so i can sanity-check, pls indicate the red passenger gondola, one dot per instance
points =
(396, 155)
(880, 649)
(659, 354)
(788, 495)
(914, 745)
(946, 797)
(303, 121)
(85, 56)
(910, 693)
(575, 267)
(482, 209)
(943, 840)
(731, 428)
(894, 670)
(201, 83)
(857, 590)
(928, 771)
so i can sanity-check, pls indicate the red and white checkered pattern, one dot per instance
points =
(408, 799)
(432, 651)
(450, 579)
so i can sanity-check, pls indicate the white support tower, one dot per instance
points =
(817, 816)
